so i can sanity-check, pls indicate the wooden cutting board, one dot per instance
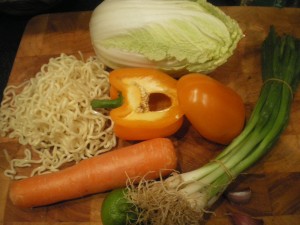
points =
(275, 180)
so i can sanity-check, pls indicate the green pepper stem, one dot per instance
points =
(107, 103)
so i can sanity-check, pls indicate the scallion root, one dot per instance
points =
(159, 203)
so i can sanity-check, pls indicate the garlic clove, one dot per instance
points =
(244, 219)
(239, 197)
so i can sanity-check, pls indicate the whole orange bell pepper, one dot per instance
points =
(150, 106)
(216, 111)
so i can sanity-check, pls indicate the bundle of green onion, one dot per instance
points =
(184, 198)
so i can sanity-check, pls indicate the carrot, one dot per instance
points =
(101, 173)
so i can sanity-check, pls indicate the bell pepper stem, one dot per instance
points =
(107, 103)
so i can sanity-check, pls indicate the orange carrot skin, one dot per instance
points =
(101, 173)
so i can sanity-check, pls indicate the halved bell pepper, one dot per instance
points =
(150, 106)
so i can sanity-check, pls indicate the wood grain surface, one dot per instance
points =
(275, 180)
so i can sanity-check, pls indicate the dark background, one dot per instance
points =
(12, 25)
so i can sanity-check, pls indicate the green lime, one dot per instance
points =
(115, 208)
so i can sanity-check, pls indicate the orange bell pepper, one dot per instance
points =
(150, 106)
(216, 111)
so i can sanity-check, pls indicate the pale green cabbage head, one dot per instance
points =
(172, 35)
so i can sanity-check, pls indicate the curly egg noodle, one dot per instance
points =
(52, 114)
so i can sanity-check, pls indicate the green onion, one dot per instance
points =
(184, 198)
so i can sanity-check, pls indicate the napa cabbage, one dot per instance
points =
(176, 36)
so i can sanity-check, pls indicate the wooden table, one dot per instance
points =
(275, 180)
